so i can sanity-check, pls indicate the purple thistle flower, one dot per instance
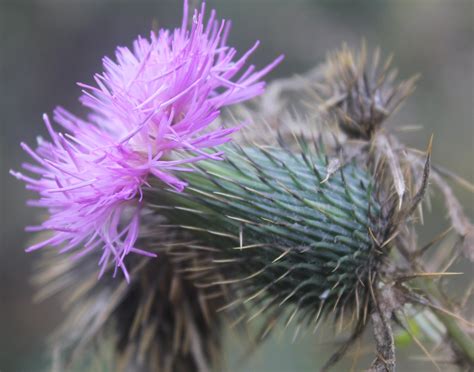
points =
(152, 103)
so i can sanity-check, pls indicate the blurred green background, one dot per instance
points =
(46, 46)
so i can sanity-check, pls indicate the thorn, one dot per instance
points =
(241, 236)
(418, 275)
(295, 335)
(458, 179)
(229, 305)
(438, 238)
(373, 237)
(317, 317)
(282, 255)
(430, 146)
(442, 310)
(332, 168)
(271, 324)
(260, 245)
(421, 346)
(291, 317)
(390, 239)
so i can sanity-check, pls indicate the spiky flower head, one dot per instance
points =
(293, 231)
(359, 93)
(152, 102)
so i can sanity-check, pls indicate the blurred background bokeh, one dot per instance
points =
(46, 46)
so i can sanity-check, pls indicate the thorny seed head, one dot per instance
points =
(359, 93)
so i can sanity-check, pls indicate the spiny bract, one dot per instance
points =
(292, 228)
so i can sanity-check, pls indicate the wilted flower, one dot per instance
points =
(360, 92)
(154, 101)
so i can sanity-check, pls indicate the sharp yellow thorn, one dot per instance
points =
(450, 313)
(261, 310)
(228, 260)
(291, 317)
(317, 318)
(282, 255)
(240, 219)
(438, 274)
(250, 246)
(237, 321)
(189, 210)
(229, 196)
(421, 346)
(229, 305)
(373, 237)
(430, 146)
(389, 239)
(295, 335)
(208, 231)
(241, 236)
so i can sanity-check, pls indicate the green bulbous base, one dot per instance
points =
(290, 228)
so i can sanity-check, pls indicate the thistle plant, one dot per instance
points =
(315, 219)
(152, 102)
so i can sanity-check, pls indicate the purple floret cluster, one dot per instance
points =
(152, 112)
